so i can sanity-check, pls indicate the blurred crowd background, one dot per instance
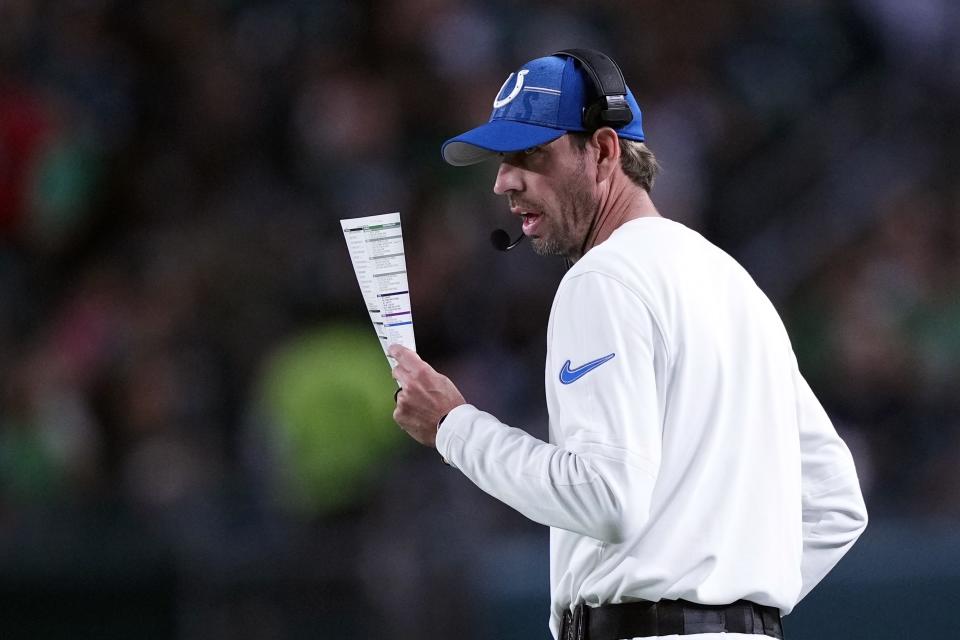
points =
(195, 417)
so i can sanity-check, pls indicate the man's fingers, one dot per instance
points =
(398, 352)
(405, 358)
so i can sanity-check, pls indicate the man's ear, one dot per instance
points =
(607, 143)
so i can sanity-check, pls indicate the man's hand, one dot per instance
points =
(424, 398)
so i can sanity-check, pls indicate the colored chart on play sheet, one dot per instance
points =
(376, 250)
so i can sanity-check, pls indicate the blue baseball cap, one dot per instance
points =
(537, 104)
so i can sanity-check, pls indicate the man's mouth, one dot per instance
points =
(530, 217)
(530, 220)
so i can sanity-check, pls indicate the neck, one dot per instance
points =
(624, 201)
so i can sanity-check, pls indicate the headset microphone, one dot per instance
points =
(500, 240)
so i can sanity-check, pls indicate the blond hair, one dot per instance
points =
(636, 160)
(639, 163)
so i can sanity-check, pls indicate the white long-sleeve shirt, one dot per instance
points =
(688, 458)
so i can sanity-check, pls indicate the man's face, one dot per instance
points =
(552, 190)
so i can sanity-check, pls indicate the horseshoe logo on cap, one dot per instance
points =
(516, 89)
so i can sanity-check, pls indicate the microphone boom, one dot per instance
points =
(500, 240)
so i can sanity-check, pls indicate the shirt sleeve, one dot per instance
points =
(596, 476)
(834, 514)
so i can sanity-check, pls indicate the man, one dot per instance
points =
(692, 482)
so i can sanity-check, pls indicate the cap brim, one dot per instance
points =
(498, 136)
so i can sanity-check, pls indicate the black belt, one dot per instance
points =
(668, 617)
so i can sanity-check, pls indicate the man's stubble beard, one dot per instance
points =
(577, 209)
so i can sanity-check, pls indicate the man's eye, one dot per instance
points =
(530, 150)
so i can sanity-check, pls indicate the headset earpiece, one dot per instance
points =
(591, 117)
(610, 108)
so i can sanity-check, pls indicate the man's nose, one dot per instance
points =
(508, 179)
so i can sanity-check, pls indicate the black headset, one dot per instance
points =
(610, 109)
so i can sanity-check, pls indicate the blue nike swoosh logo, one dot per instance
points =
(568, 375)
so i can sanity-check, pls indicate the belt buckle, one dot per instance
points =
(578, 623)
(573, 625)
